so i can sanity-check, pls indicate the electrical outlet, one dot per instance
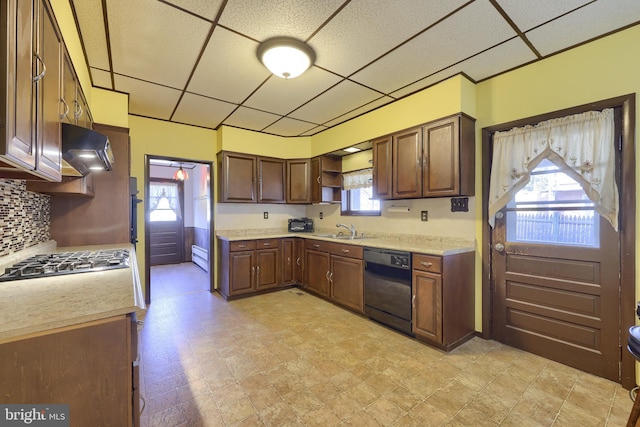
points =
(321, 215)
(460, 204)
(266, 215)
(424, 216)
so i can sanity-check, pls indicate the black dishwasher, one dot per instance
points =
(387, 287)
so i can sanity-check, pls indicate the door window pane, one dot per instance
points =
(552, 209)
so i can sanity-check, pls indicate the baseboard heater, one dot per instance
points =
(200, 256)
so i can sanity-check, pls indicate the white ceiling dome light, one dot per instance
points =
(286, 57)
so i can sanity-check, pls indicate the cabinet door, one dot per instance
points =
(82, 113)
(317, 267)
(68, 91)
(20, 142)
(237, 177)
(241, 273)
(287, 270)
(407, 164)
(299, 261)
(441, 164)
(346, 280)
(316, 189)
(271, 180)
(299, 181)
(382, 175)
(266, 268)
(427, 306)
(48, 89)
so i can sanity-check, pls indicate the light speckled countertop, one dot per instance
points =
(405, 242)
(34, 305)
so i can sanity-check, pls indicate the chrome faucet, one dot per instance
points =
(349, 227)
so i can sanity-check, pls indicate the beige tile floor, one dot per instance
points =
(291, 359)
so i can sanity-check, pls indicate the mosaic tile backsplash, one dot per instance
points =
(25, 217)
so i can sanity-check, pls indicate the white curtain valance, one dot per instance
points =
(357, 179)
(582, 146)
(166, 191)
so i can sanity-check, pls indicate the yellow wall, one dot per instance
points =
(356, 161)
(244, 141)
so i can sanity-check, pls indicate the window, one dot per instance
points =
(357, 194)
(165, 205)
(552, 209)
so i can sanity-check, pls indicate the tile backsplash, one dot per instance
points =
(25, 217)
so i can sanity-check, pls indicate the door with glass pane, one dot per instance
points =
(556, 270)
(165, 222)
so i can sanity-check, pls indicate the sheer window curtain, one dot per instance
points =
(357, 179)
(159, 191)
(582, 146)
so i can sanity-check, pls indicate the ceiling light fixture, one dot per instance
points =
(352, 149)
(181, 175)
(286, 57)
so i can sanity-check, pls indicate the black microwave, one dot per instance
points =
(301, 224)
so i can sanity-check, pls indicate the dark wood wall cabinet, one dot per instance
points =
(299, 181)
(245, 178)
(326, 179)
(31, 51)
(92, 367)
(433, 160)
(443, 298)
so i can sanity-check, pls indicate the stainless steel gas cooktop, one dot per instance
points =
(67, 263)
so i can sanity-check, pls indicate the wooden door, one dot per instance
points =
(287, 261)
(241, 272)
(48, 88)
(299, 261)
(21, 141)
(382, 166)
(266, 268)
(166, 228)
(237, 177)
(427, 306)
(556, 281)
(272, 175)
(317, 266)
(407, 164)
(441, 158)
(316, 189)
(347, 282)
(299, 181)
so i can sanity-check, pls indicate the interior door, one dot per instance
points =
(165, 223)
(555, 264)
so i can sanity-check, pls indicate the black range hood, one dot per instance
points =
(84, 151)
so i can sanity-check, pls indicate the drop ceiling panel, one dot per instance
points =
(283, 96)
(248, 118)
(569, 30)
(207, 9)
(101, 78)
(148, 99)
(265, 19)
(201, 111)
(477, 27)
(339, 100)
(526, 17)
(153, 41)
(368, 107)
(289, 127)
(229, 69)
(91, 23)
(365, 29)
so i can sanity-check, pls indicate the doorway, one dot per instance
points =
(567, 301)
(178, 219)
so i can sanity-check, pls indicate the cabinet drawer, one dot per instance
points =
(351, 251)
(320, 245)
(242, 245)
(267, 243)
(429, 263)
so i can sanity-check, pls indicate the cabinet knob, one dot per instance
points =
(288, 261)
(266, 244)
(413, 301)
(66, 109)
(345, 251)
(78, 110)
(426, 264)
(318, 179)
(298, 261)
(316, 245)
(331, 277)
(242, 246)
(327, 275)
(258, 271)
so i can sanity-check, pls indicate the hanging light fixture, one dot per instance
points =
(286, 57)
(181, 174)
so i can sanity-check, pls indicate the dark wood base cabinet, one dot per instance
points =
(443, 299)
(92, 367)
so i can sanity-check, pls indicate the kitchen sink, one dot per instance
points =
(341, 236)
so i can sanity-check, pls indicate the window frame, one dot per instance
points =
(346, 199)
